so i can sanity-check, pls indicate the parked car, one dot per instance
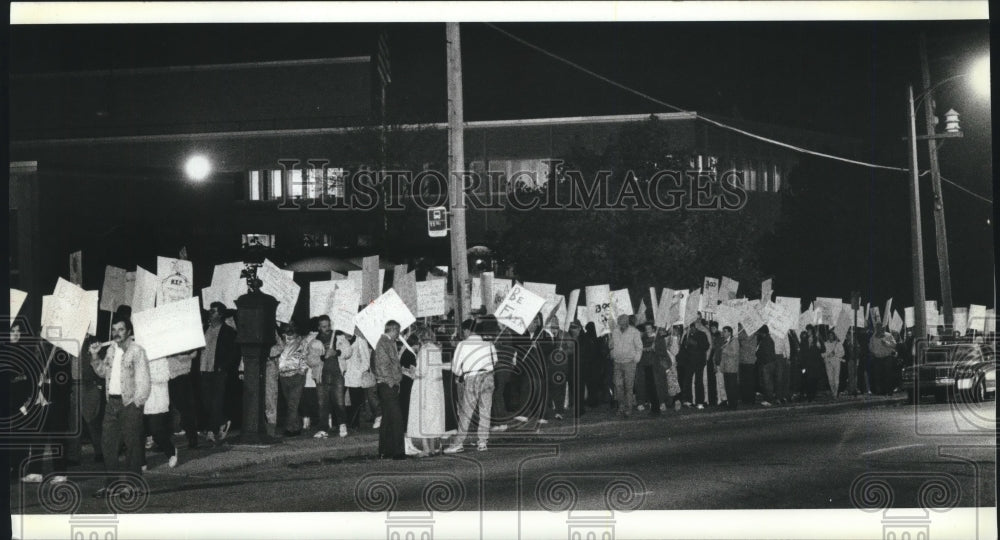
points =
(963, 370)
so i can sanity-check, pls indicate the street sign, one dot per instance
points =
(437, 222)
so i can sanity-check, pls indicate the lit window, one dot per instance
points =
(777, 178)
(276, 184)
(296, 183)
(253, 186)
(251, 241)
(528, 173)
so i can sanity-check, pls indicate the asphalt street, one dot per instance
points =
(780, 458)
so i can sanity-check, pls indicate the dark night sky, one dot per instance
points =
(844, 78)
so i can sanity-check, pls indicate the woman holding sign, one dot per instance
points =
(425, 425)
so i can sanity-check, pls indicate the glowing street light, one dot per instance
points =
(198, 167)
(979, 77)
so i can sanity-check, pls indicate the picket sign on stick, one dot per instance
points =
(518, 308)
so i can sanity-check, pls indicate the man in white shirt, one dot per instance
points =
(125, 368)
(473, 364)
(626, 351)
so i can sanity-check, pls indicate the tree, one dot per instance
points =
(634, 248)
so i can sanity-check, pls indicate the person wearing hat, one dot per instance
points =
(626, 351)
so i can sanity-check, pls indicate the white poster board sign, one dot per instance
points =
(227, 283)
(66, 316)
(17, 298)
(574, 302)
(387, 307)
(710, 294)
(977, 317)
(113, 290)
(169, 329)
(765, 290)
(599, 308)
(728, 289)
(431, 298)
(277, 283)
(146, 287)
(909, 317)
(518, 308)
(176, 280)
(621, 304)
(545, 290)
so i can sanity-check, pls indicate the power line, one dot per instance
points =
(963, 188)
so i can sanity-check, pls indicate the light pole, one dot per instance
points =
(916, 238)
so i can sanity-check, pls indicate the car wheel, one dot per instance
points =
(979, 392)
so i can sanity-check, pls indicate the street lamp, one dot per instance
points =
(197, 167)
(980, 78)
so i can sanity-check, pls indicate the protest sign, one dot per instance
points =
(405, 285)
(176, 280)
(777, 318)
(751, 319)
(977, 317)
(321, 297)
(129, 288)
(692, 307)
(113, 290)
(710, 294)
(574, 301)
(371, 280)
(678, 307)
(169, 329)
(335, 276)
(792, 308)
(344, 304)
(227, 283)
(208, 295)
(765, 290)
(887, 314)
(488, 298)
(545, 290)
(829, 309)
(599, 307)
(640, 314)
(430, 298)
(861, 321)
(909, 317)
(66, 316)
(583, 315)
(875, 315)
(991, 321)
(805, 319)
(562, 313)
(277, 283)
(144, 291)
(518, 308)
(661, 309)
(476, 297)
(961, 320)
(501, 287)
(727, 316)
(621, 303)
(387, 307)
(17, 298)
(895, 322)
(90, 304)
(728, 288)
(551, 308)
(76, 269)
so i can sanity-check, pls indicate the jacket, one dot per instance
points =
(386, 364)
(626, 346)
(748, 348)
(730, 362)
(357, 366)
(227, 352)
(765, 350)
(135, 372)
(159, 394)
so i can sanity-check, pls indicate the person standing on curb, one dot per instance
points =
(473, 364)
(626, 351)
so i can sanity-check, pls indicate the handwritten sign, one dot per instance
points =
(640, 316)
(518, 308)
(227, 283)
(66, 316)
(843, 323)
(387, 307)
(144, 290)
(321, 297)
(405, 284)
(829, 309)
(661, 309)
(113, 291)
(961, 320)
(765, 290)
(621, 303)
(751, 318)
(176, 278)
(910, 318)
(710, 294)
(208, 296)
(277, 283)
(692, 307)
(678, 307)
(430, 298)
(357, 276)
(169, 329)
(501, 288)
(17, 298)
(599, 307)
(896, 322)
(476, 297)
(574, 301)
(727, 316)
(583, 315)
(728, 288)
(545, 290)
(551, 308)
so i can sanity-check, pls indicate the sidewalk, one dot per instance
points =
(304, 449)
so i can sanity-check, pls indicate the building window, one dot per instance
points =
(315, 240)
(528, 173)
(777, 178)
(268, 185)
(251, 241)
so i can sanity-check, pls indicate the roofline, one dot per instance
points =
(479, 124)
(197, 67)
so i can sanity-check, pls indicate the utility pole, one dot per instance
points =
(940, 231)
(916, 238)
(456, 169)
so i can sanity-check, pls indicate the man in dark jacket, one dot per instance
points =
(766, 364)
(217, 359)
(692, 362)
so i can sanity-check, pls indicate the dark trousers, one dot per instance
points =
(689, 374)
(713, 392)
(812, 385)
(782, 378)
(182, 398)
(89, 411)
(557, 392)
(158, 425)
(769, 380)
(212, 390)
(748, 383)
(651, 384)
(122, 424)
(390, 433)
(55, 447)
(360, 397)
(732, 384)
(291, 391)
(331, 400)
(501, 380)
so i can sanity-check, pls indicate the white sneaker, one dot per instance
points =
(499, 427)
(343, 430)
(663, 407)
(172, 462)
(149, 442)
(377, 423)
(641, 408)
(677, 405)
(765, 404)
(700, 407)
(559, 416)
(59, 479)
(521, 418)
(454, 449)
(224, 430)
(33, 478)
(145, 468)
(543, 421)
(180, 433)
(321, 435)
(481, 447)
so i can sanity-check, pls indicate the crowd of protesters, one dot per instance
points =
(432, 387)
